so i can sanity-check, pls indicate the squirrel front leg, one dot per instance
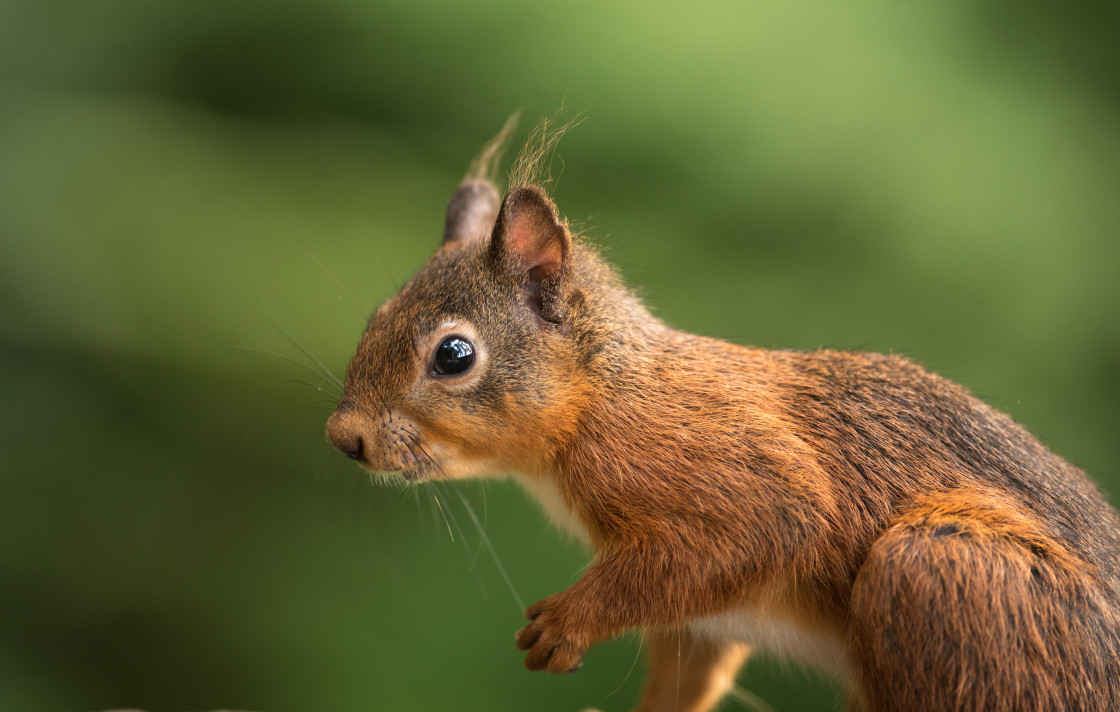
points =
(635, 586)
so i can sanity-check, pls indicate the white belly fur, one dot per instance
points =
(548, 495)
(765, 631)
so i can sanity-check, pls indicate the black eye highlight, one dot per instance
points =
(454, 355)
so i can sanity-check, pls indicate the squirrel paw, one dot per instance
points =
(550, 646)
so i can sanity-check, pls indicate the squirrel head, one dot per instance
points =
(473, 365)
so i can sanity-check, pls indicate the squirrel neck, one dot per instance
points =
(635, 365)
(660, 403)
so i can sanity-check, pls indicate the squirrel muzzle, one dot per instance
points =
(385, 442)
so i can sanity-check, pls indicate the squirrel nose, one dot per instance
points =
(351, 448)
(344, 434)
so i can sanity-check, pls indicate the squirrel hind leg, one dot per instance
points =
(687, 672)
(963, 604)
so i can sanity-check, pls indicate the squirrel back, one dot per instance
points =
(899, 532)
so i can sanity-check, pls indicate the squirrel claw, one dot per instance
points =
(534, 610)
(549, 648)
(526, 637)
(559, 658)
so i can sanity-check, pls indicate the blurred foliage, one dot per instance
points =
(184, 183)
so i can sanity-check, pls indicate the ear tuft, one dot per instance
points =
(471, 211)
(529, 231)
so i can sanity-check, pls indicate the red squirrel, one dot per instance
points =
(851, 511)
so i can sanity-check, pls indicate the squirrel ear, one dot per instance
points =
(529, 230)
(471, 211)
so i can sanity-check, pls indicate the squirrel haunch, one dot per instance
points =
(850, 510)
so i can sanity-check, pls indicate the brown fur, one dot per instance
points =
(900, 530)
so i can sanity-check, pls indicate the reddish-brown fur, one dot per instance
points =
(881, 518)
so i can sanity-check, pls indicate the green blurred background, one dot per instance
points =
(181, 182)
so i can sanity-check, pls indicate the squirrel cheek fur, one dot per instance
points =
(850, 510)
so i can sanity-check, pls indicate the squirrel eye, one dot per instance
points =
(454, 355)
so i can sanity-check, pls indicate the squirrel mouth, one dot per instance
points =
(415, 474)
(412, 474)
(420, 469)
(411, 468)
